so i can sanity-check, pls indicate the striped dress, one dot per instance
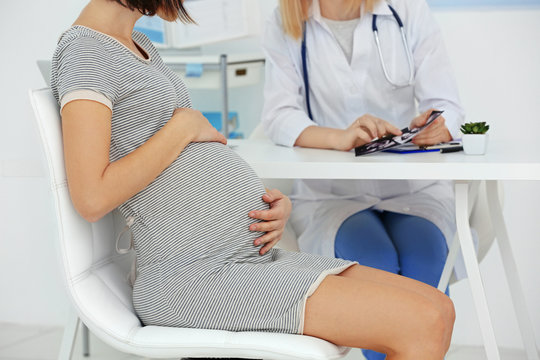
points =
(197, 266)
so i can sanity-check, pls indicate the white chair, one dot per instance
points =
(96, 282)
(479, 219)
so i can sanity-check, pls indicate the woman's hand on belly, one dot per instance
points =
(197, 126)
(273, 220)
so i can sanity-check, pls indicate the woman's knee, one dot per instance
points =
(440, 322)
(445, 307)
(449, 312)
(431, 340)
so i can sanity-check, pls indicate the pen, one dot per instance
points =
(451, 149)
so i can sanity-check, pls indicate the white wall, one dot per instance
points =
(29, 279)
(495, 56)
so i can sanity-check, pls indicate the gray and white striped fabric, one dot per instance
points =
(196, 263)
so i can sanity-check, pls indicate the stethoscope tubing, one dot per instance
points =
(381, 57)
(405, 45)
(305, 71)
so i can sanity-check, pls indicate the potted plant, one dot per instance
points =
(475, 138)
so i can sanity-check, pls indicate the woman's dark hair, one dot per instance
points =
(150, 7)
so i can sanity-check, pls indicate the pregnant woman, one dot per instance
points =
(199, 213)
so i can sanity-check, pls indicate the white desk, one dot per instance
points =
(500, 163)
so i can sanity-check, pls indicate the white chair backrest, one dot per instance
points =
(91, 267)
(480, 220)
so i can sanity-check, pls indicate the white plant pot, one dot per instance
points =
(475, 144)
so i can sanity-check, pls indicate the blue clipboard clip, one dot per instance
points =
(443, 150)
(397, 151)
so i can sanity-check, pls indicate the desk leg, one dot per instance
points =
(510, 268)
(453, 252)
(473, 271)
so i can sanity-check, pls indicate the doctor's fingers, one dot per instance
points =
(437, 136)
(362, 134)
(421, 119)
(390, 129)
(368, 123)
(436, 127)
(382, 127)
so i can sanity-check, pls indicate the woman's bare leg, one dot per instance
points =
(439, 298)
(366, 273)
(383, 315)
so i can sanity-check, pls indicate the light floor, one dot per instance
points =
(40, 343)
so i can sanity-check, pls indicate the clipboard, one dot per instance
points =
(448, 147)
(392, 141)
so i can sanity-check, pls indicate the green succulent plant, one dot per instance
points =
(475, 128)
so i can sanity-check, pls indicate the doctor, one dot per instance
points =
(340, 73)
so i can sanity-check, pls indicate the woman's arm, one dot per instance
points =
(98, 186)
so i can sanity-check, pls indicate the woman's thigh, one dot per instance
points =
(420, 245)
(374, 314)
(370, 274)
(363, 238)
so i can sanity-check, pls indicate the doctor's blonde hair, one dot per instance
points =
(295, 12)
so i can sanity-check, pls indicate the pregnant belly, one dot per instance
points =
(198, 208)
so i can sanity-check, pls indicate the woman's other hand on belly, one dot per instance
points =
(273, 220)
(197, 126)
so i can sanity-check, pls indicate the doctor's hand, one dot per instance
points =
(274, 219)
(363, 130)
(435, 133)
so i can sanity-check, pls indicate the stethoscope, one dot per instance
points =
(381, 58)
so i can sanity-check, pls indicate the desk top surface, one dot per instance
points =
(211, 59)
(501, 162)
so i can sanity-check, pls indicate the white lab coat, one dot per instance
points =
(340, 93)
